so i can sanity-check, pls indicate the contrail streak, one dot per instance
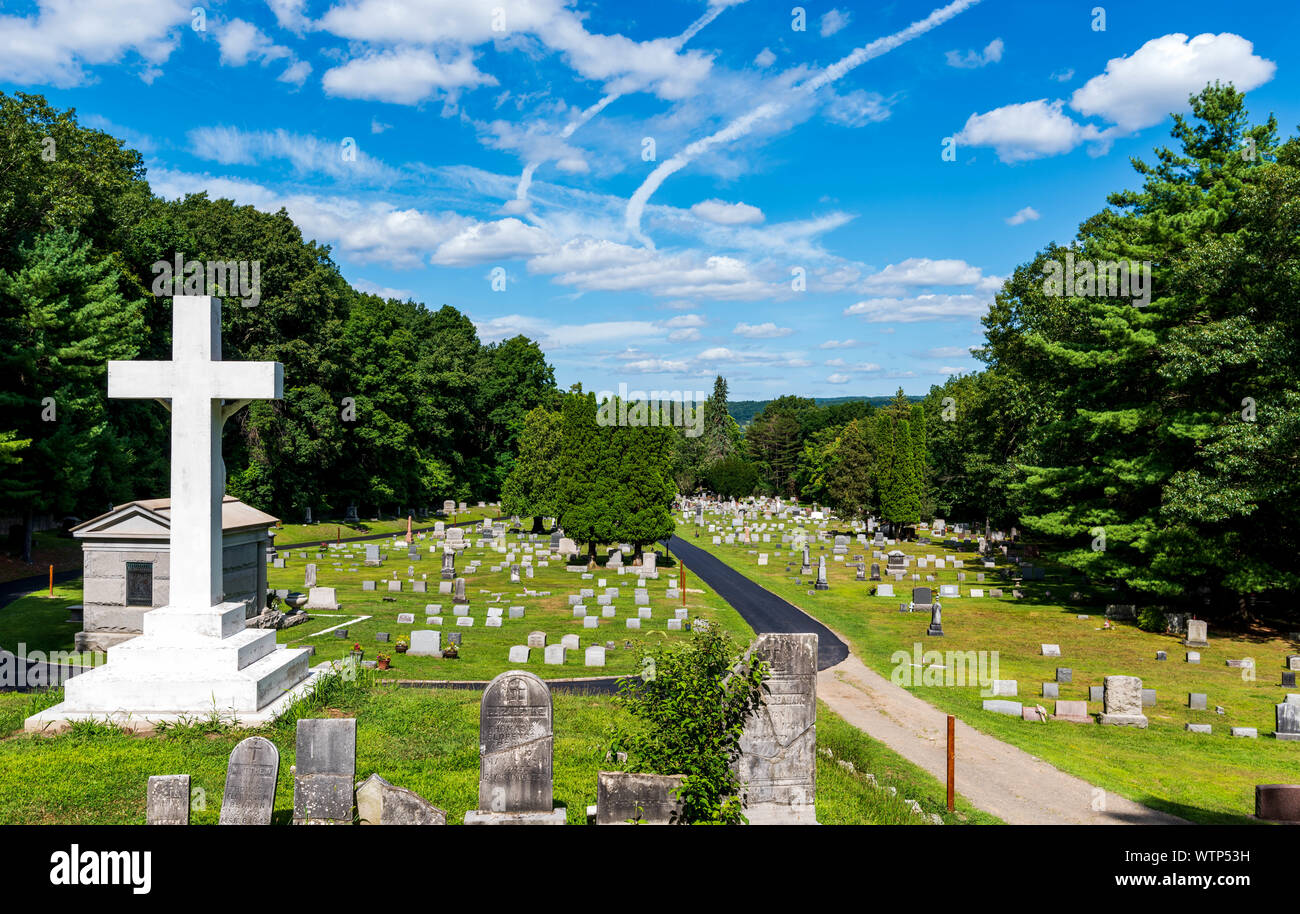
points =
(744, 124)
(526, 179)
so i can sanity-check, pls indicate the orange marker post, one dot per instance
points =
(681, 581)
(952, 728)
(51, 580)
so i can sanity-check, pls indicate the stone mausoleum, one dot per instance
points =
(127, 567)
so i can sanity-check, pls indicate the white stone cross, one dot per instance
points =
(197, 383)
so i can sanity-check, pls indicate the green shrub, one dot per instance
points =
(690, 705)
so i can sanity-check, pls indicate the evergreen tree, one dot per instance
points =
(1153, 452)
(721, 434)
(849, 483)
(532, 485)
(62, 318)
(587, 470)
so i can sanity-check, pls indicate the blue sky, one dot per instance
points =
(639, 186)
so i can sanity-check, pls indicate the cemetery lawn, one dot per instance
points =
(39, 622)
(1204, 778)
(423, 739)
(485, 651)
(327, 531)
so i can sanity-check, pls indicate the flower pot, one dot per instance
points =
(382, 664)
(402, 648)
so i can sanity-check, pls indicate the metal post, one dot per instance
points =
(952, 749)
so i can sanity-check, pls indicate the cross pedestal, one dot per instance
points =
(195, 657)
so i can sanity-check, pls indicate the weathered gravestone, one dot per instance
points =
(322, 598)
(251, 776)
(645, 799)
(1122, 697)
(382, 803)
(516, 748)
(779, 745)
(1196, 633)
(1288, 721)
(325, 775)
(168, 800)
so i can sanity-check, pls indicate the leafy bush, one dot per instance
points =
(691, 702)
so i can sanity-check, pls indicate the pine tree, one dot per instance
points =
(720, 430)
(62, 318)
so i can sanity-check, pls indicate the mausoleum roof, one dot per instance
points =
(151, 517)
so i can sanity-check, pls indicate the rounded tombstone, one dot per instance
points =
(516, 744)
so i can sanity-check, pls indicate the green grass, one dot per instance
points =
(39, 622)
(1202, 778)
(327, 531)
(425, 740)
(485, 651)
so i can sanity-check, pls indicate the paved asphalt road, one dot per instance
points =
(762, 609)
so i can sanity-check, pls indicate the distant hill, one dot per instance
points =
(743, 411)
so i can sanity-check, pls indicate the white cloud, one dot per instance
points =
(859, 108)
(296, 73)
(365, 285)
(307, 154)
(725, 356)
(992, 53)
(373, 231)
(765, 58)
(722, 213)
(289, 14)
(1142, 89)
(1063, 76)
(62, 38)
(599, 265)
(833, 21)
(919, 308)
(922, 271)
(564, 336)
(487, 242)
(688, 335)
(764, 331)
(623, 64)
(378, 126)
(655, 366)
(241, 41)
(685, 320)
(1134, 92)
(838, 344)
(1028, 130)
(838, 378)
(406, 76)
(1025, 214)
(948, 352)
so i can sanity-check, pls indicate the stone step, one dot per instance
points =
(224, 655)
(214, 622)
(109, 689)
